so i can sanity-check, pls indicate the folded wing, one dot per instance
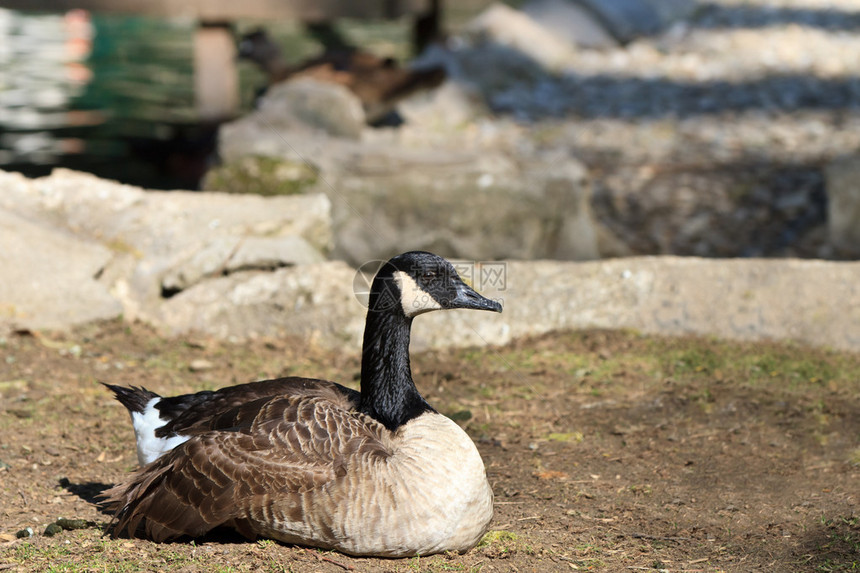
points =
(254, 464)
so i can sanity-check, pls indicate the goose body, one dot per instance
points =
(312, 462)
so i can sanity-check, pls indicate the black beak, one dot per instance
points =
(465, 297)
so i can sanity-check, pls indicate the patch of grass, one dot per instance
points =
(498, 536)
(643, 489)
(698, 360)
(575, 437)
(446, 562)
(261, 175)
(654, 361)
(841, 549)
(54, 556)
(501, 544)
(799, 368)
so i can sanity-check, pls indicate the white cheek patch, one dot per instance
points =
(150, 447)
(413, 298)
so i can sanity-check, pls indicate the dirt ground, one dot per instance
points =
(607, 451)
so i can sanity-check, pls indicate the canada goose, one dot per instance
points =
(311, 462)
(379, 83)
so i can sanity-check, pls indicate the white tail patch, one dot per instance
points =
(145, 423)
(413, 298)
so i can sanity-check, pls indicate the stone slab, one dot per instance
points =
(807, 301)
(313, 301)
(811, 302)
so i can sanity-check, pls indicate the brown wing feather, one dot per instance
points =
(239, 477)
(196, 413)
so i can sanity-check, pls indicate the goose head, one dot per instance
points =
(407, 285)
(417, 282)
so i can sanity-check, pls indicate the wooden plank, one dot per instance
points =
(226, 10)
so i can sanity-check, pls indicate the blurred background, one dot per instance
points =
(723, 128)
(112, 92)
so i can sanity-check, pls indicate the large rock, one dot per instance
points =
(50, 277)
(446, 110)
(142, 247)
(477, 206)
(228, 255)
(843, 209)
(162, 223)
(478, 202)
(314, 105)
(314, 301)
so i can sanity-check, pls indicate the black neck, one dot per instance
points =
(388, 393)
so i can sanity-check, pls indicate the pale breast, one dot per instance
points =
(449, 498)
(430, 495)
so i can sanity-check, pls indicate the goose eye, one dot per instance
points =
(428, 275)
